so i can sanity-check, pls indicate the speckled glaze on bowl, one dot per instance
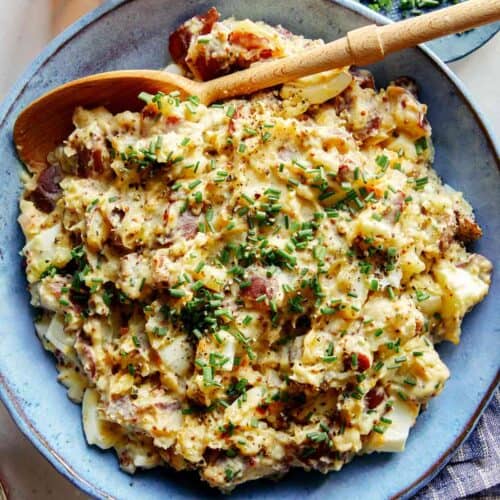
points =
(132, 34)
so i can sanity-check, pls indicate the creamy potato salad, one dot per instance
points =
(256, 285)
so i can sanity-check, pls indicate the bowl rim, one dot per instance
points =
(7, 396)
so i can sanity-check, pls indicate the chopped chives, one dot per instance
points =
(408, 381)
(325, 195)
(354, 360)
(330, 349)
(193, 184)
(146, 97)
(382, 161)
(421, 295)
(247, 199)
(420, 183)
(403, 396)
(370, 196)
(331, 214)
(198, 285)
(421, 145)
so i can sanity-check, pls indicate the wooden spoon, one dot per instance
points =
(47, 121)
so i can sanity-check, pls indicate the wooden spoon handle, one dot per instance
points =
(362, 46)
(371, 43)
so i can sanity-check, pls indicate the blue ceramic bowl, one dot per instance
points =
(132, 34)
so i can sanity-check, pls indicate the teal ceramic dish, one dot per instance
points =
(132, 34)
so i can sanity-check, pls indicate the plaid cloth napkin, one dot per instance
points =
(474, 470)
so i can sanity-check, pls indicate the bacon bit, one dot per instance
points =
(84, 156)
(90, 161)
(87, 356)
(178, 44)
(154, 357)
(245, 361)
(261, 409)
(275, 407)
(206, 65)
(467, 229)
(408, 84)
(363, 77)
(171, 405)
(208, 68)
(231, 126)
(374, 397)
(398, 203)
(49, 179)
(188, 225)
(165, 215)
(97, 158)
(124, 330)
(361, 247)
(372, 125)
(258, 287)
(298, 327)
(249, 41)
(125, 459)
(150, 110)
(169, 123)
(48, 191)
(343, 173)
(343, 101)
(363, 362)
(208, 19)
(172, 120)
(211, 456)
(179, 40)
